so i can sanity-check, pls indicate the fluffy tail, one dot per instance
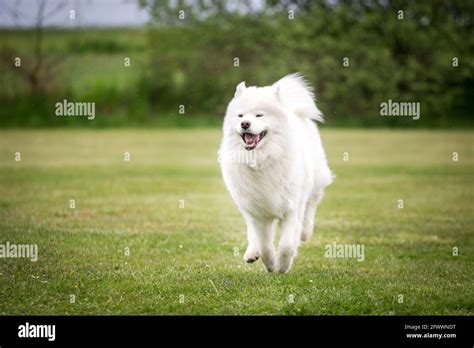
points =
(297, 95)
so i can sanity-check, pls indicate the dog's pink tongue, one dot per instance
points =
(250, 139)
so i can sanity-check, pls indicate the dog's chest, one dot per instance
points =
(264, 192)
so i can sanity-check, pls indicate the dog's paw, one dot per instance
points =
(251, 255)
(284, 260)
(268, 259)
(283, 266)
(307, 231)
(305, 235)
(269, 266)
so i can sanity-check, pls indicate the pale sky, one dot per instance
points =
(95, 13)
(101, 13)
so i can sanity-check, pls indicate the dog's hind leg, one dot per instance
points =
(310, 212)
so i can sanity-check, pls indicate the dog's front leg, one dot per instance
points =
(288, 246)
(253, 252)
(263, 229)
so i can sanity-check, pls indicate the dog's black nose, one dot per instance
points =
(245, 124)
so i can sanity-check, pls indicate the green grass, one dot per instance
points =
(190, 251)
(90, 59)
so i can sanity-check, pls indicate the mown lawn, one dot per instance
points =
(188, 260)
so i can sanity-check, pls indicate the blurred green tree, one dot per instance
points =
(357, 53)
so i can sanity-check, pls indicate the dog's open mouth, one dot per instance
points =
(251, 140)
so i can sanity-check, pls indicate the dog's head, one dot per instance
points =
(254, 115)
(260, 115)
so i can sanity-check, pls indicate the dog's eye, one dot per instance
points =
(258, 115)
(240, 115)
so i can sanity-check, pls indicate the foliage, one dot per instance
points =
(409, 59)
(191, 62)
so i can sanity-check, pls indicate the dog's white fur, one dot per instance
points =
(286, 181)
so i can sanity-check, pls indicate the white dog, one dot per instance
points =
(274, 166)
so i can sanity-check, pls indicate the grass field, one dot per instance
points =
(184, 260)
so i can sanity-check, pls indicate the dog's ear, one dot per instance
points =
(239, 89)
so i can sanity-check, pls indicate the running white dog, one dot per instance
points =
(274, 166)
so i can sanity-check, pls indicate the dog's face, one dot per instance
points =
(254, 116)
